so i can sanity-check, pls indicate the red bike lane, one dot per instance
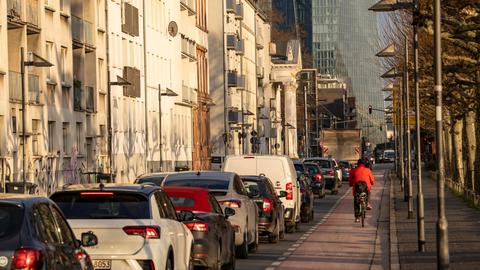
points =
(337, 242)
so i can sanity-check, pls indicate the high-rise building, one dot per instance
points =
(344, 38)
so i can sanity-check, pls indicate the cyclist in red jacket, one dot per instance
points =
(361, 179)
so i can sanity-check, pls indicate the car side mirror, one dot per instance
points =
(229, 212)
(89, 239)
(186, 215)
(282, 194)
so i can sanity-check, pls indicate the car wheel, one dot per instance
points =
(274, 237)
(169, 265)
(253, 247)
(242, 250)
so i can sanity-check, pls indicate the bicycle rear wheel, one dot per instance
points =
(363, 212)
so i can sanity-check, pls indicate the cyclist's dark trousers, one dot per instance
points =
(359, 188)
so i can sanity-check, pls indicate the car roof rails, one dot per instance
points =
(147, 184)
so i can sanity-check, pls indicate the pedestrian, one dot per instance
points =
(361, 180)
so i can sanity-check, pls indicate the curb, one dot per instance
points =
(394, 257)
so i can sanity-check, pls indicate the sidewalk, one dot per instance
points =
(463, 228)
(337, 242)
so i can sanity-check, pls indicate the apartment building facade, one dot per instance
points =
(63, 126)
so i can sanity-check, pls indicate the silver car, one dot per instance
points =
(228, 189)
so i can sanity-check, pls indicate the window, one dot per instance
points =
(202, 14)
(66, 234)
(63, 63)
(216, 208)
(238, 186)
(49, 55)
(35, 134)
(132, 75)
(51, 136)
(14, 121)
(65, 134)
(45, 224)
(101, 79)
(11, 219)
(167, 208)
(130, 20)
(79, 138)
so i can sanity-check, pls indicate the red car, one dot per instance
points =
(214, 245)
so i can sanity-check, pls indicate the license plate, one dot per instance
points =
(102, 264)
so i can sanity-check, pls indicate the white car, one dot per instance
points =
(229, 190)
(136, 226)
(282, 174)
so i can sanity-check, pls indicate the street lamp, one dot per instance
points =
(392, 5)
(120, 82)
(33, 60)
(168, 93)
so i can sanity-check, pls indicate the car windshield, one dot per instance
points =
(312, 169)
(389, 154)
(11, 218)
(154, 179)
(251, 185)
(298, 167)
(103, 205)
(324, 164)
(345, 164)
(212, 184)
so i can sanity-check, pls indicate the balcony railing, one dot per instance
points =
(88, 32)
(77, 29)
(239, 11)
(15, 85)
(33, 88)
(232, 78)
(89, 99)
(32, 12)
(14, 10)
(231, 41)
(189, 95)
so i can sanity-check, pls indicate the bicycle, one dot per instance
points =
(362, 206)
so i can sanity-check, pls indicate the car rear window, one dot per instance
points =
(345, 164)
(312, 169)
(11, 218)
(324, 164)
(192, 203)
(298, 167)
(157, 180)
(103, 205)
(254, 185)
(212, 184)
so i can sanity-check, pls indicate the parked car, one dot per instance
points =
(346, 167)
(136, 225)
(328, 169)
(270, 208)
(281, 172)
(154, 178)
(388, 156)
(307, 208)
(34, 234)
(299, 166)
(214, 245)
(317, 182)
(228, 189)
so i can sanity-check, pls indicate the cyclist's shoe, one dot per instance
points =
(369, 207)
(357, 220)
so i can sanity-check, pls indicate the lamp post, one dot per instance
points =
(120, 82)
(33, 60)
(385, 6)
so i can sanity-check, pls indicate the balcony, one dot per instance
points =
(232, 78)
(33, 89)
(15, 86)
(78, 100)
(239, 11)
(231, 6)
(234, 117)
(15, 14)
(231, 41)
(260, 72)
(78, 33)
(189, 95)
(33, 26)
(188, 5)
(89, 36)
(240, 47)
(188, 49)
(89, 99)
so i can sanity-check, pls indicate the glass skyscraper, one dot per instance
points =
(344, 43)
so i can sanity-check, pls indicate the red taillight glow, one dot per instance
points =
(147, 232)
(197, 226)
(94, 193)
(27, 258)
(267, 205)
(318, 177)
(81, 255)
(231, 203)
(289, 188)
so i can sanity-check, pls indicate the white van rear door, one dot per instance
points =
(242, 165)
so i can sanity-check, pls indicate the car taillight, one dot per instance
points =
(289, 188)
(147, 232)
(317, 177)
(331, 173)
(81, 255)
(27, 259)
(96, 193)
(267, 205)
(197, 226)
(231, 203)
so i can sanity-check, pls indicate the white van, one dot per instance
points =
(280, 170)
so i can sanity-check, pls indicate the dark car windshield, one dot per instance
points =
(324, 164)
(251, 185)
(298, 167)
(201, 183)
(390, 154)
(312, 169)
(103, 205)
(154, 179)
(344, 164)
(11, 218)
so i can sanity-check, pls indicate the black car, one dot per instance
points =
(35, 235)
(307, 196)
(154, 178)
(214, 245)
(270, 208)
(317, 182)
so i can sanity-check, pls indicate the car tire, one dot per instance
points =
(253, 247)
(169, 264)
(242, 250)
(290, 228)
(275, 236)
